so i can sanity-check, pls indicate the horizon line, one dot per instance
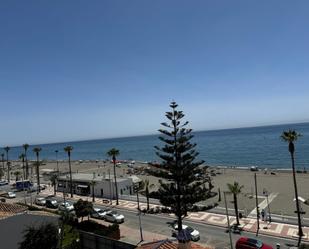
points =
(153, 134)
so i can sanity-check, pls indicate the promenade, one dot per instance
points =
(275, 229)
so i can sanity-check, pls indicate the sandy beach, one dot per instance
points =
(279, 185)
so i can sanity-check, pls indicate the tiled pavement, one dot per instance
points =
(248, 224)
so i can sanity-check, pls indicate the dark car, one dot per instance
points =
(50, 203)
(248, 243)
(2, 183)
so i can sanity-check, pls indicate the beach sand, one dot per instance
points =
(280, 184)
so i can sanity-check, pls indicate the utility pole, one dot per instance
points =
(265, 192)
(228, 220)
(110, 186)
(136, 188)
(257, 207)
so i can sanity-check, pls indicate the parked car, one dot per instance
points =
(195, 235)
(10, 195)
(2, 183)
(98, 213)
(113, 216)
(41, 201)
(50, 203)
(248, 243)
(66, 206)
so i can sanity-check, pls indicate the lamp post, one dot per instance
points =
(265, 192)
(65, 189)
(228, 220)
(136, 189)
(257, 207)
(110, 186)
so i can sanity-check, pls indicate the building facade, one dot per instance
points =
(101, 186)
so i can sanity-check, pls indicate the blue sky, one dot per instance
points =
(72, 70)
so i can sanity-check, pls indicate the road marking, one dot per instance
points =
(263, 204)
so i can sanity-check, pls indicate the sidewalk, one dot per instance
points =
(248, 224)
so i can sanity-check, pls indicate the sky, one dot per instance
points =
(75, 70)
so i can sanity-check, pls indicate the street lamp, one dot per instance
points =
(265, 193)
(136, 189)
(228, 219)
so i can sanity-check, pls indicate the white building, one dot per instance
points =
(104, 186)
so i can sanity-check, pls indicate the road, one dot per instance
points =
(211, 235)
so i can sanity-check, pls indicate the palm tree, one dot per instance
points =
(22, 157)
(235, 189)
(7, 148)
(92, 184)
(145, 190)
(37, 150)
(54, 179)
(291, 136)
(68, 149)
(26, 146)
(113, 153)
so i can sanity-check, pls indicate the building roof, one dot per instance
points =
(84, 177)
(167, 244)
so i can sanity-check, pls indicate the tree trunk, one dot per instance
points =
(179, 209)
(8, 165)
(236, 209)
(116, 187)
(38, 172)
(71, 184)
(24, 170)
(93, 193)
(147, 198)
(300, 231)
(27, 166)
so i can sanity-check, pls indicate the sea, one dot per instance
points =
(241, 147)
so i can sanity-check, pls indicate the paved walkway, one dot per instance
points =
(248, 224)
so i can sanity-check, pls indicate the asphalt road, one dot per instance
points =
(212, 235)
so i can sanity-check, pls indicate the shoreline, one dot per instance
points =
(277, 182)
(136, 162)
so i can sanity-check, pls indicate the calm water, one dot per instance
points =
(259, 146)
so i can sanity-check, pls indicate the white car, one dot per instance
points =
(195, 235)
(10, 195)
(113, 216)
(65, 206)
(98, 213)
(41, 201)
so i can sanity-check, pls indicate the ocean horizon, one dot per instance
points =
(240, 147)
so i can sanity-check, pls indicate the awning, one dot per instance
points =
(82, 186)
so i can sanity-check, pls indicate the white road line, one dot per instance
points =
(263, 204)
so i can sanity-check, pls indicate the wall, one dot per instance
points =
(93, 241)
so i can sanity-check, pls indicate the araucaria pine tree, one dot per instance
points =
(181, 189)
